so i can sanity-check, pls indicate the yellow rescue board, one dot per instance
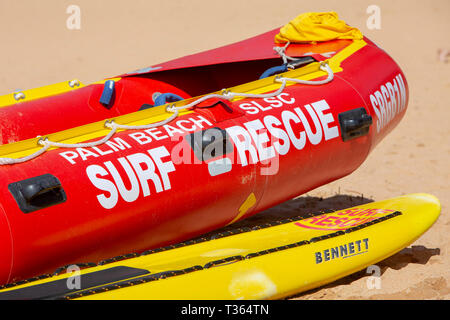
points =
(266, 262)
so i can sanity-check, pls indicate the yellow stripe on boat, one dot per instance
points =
(38, 93)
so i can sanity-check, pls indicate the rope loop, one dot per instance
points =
(110, 124)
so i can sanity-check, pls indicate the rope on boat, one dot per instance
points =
(229, 95)
(5, 161)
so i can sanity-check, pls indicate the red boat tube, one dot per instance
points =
(153, 187)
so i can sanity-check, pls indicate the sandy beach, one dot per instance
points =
(116, 37)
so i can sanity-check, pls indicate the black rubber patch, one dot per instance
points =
(55, 289)
(209, 143)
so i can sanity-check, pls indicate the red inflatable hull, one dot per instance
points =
(142, 191)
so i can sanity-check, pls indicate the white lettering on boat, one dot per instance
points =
(389, 101)
(179, 127)
(293, 129)
(140, 169)
(281, 100)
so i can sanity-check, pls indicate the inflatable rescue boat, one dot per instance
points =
(169, 152)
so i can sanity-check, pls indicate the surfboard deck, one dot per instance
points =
(269, 261)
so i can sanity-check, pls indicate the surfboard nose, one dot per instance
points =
(427, 209)
(432, 203)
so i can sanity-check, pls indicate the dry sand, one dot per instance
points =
(120, 36)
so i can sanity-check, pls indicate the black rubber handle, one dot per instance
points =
(209, 143)
(354, 123)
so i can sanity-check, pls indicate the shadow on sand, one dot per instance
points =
(298, 207)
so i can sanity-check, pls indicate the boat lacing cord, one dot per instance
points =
(225, 94)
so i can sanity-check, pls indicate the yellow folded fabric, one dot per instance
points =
(317, 26)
